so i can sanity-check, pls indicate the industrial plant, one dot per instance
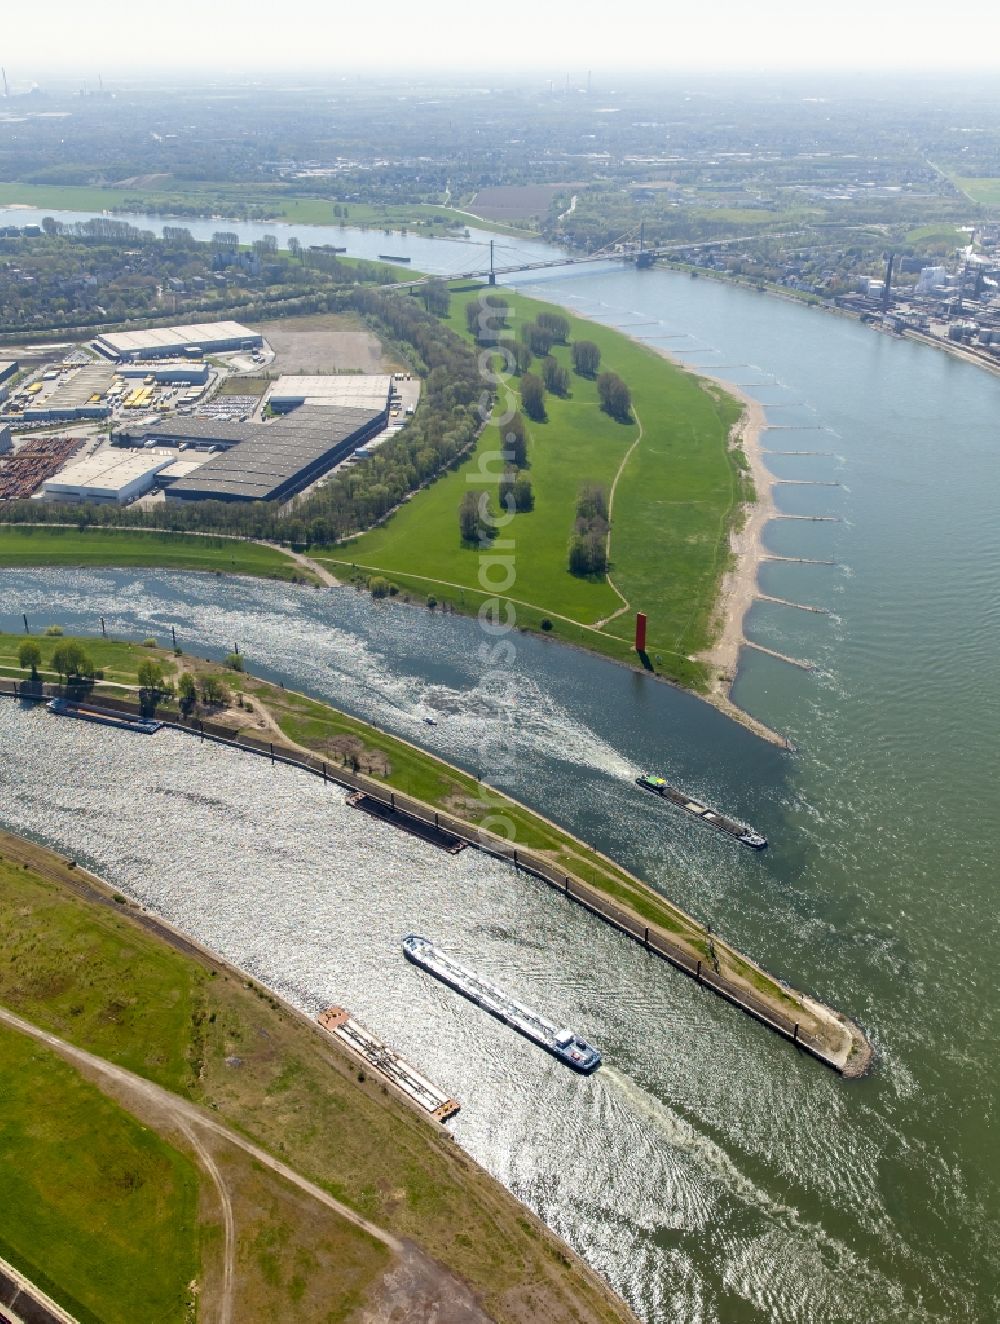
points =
(153, 419)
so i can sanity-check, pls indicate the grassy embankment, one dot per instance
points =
(22, 545)
(316, 727)
(102, 982)
(676, 500)
(226, 199)
(94, 1208)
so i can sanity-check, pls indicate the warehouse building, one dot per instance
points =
(276, 460)
(83, 395)
(176, 469)
(6, 444)
(192, 433)
(106, 477)
(172, 341)
(350, 391)
(175, 370)
(8, 368)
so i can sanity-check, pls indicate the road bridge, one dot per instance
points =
(624, 249)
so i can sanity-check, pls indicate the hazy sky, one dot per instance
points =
(565, 35)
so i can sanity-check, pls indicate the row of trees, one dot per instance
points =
(514, 490)
(70, 661)
(588, 548)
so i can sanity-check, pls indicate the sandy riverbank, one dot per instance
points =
(739, 583)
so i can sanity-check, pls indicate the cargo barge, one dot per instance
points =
(563, 1044)
(746, 836)
(337, 1021)
(91, 712)
(393, 257)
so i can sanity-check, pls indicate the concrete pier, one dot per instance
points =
(795, 560)
(783, 657)
(799, 606)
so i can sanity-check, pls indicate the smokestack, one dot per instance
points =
(887, 287)
(6, 89)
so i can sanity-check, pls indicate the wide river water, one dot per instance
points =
(708, 1171)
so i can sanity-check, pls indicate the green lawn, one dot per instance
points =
(674, 507)
(119, 661)
(939, 235)
(983, 190)
(94, 1207)
(21, 545)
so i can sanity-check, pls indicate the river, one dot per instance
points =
(708, 1172)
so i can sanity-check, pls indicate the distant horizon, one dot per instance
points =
(769, 38)
(62, 79)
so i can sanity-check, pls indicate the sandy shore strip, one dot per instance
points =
(739, 583)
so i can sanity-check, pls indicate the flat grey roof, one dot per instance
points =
(270, 454)
(196, 333)
(359, 390)
(189, 429)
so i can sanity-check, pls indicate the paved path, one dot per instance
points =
(607, 546)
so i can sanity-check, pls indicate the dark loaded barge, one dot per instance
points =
(92, 712)
(746, 836)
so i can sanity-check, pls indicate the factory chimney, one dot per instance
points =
(887, 287)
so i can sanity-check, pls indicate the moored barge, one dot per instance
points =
(92, 712)
(563, 1044)
(338, 1021)
(746, 836)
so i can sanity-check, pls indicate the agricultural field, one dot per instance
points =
(235, 200)
(679, 490)
(516, 202)
(983, 190)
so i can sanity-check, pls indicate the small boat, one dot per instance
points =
(563, 1044)
(431, 721)
(746, 836)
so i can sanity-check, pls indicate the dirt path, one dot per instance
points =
(599, 625)
(185, 1115)
(228, 1222)
(467, 588)
(307, 563)
(414, 1286)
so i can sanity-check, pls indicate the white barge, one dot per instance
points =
(561, 1043)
